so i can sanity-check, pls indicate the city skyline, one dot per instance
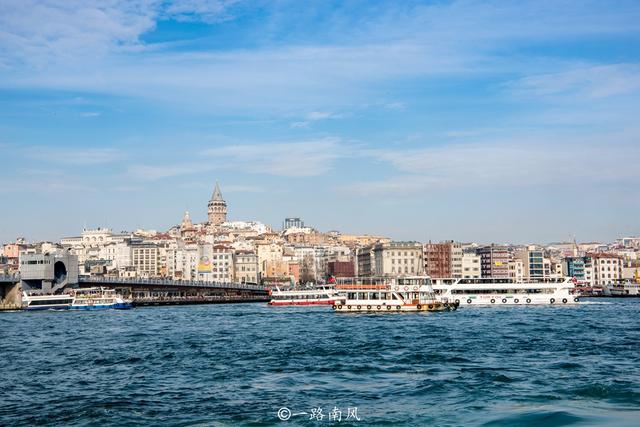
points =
(211, 219)
(463, 120)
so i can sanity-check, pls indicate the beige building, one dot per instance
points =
(268, 253)
(391, 259)
(246, 267)
(361, 240)
(145, 259)
(470, 263)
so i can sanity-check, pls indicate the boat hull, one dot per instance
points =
(283, 303)
(511, 301)
(115, 306)
(435, 306)
(43, 308)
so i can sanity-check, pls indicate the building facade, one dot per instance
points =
(437, 260)
(494, 261)
(471, 266)
(536, 266)
(602, 269)
(246, 267)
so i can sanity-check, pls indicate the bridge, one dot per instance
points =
(141, 291)
(169, 292)
(55, 272)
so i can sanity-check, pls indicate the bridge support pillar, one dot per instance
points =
(10, 296)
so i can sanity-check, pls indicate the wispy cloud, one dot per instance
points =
(91, 114)
(88, 45)
(290, 159)
(594, 82)
(234, 188)
(209, 11)
(74, 156)
(285, 159)
(170, 170)
(314, 116)
(525, 162)
(38, 32)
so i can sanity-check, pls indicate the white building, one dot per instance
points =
(516, 269)
(215, 263)
(602, 269)
(182, 262)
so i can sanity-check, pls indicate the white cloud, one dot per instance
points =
(299, 159)
(95, 46)
(594, 82)
(522, 162)
(319, 115)
(286, 159)
(40, 32)
(396, 105)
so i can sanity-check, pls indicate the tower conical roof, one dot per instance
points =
(217, 194)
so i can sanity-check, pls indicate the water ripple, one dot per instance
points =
(238, 364)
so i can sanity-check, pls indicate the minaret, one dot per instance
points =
(217, 207)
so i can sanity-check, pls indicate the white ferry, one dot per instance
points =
(99, 299)
(492, 291)
(406, 294)
(622, 289)
(46, 302)
(322, 296)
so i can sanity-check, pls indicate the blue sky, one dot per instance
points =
(468, 120)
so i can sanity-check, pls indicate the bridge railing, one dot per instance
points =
(9, 277)
(170, 282)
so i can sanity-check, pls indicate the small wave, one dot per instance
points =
(582, 302)
(619, 394)
(566, 365)
(547, 419)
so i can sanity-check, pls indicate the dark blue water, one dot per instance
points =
(238, 364)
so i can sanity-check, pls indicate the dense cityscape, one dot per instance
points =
(220, 250)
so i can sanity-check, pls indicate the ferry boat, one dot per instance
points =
(622, 289)
(508, 291)
(405, 294)
(322, 296)
(99, 299)
(46, 302)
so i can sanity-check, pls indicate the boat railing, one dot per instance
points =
(503, 280)
(370, 281)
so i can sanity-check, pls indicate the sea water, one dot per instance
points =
(251, 364)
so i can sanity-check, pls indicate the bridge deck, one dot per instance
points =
(9, 278)
(98, 281)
